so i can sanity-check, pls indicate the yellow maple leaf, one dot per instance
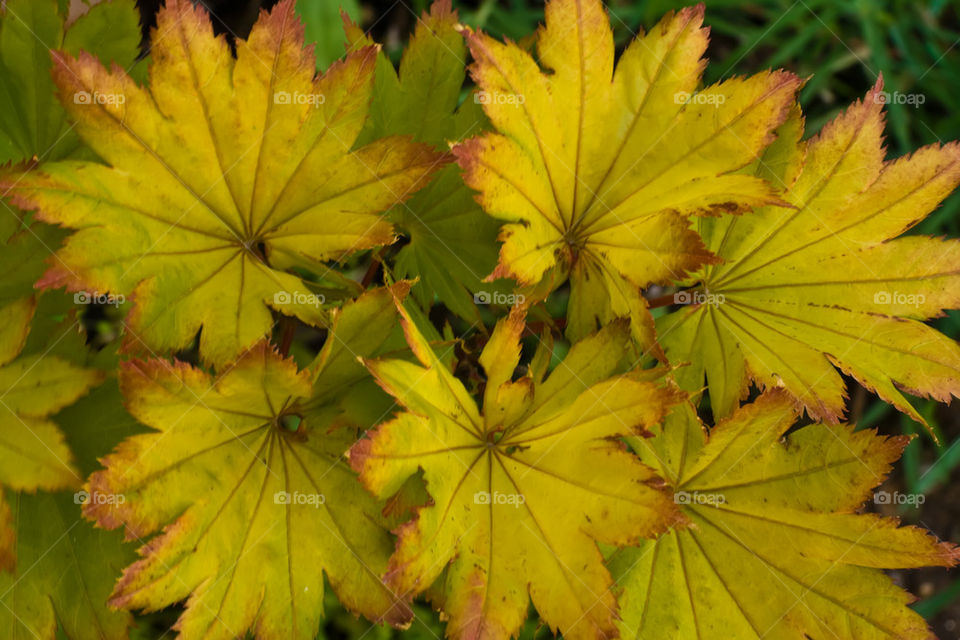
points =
(522, 492)
(255, 513)
(775, 547)
(596, 169)
(219, 175)
(826, 284)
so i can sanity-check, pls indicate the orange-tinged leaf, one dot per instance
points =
(218, 171)
(595, 169)
(775, 548)
(827, 284)
(522, 492)
(254, 514)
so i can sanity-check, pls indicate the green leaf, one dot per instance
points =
(344, 392)
(65, 571)
(111, 31)
(32, 388)
(452, 243)
(322, 27)
(30, 119)
(24, 250)
(59, 569)
(32, 122)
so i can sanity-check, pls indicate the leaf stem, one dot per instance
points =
(289, 326)
(661, 301)
(375, 265)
